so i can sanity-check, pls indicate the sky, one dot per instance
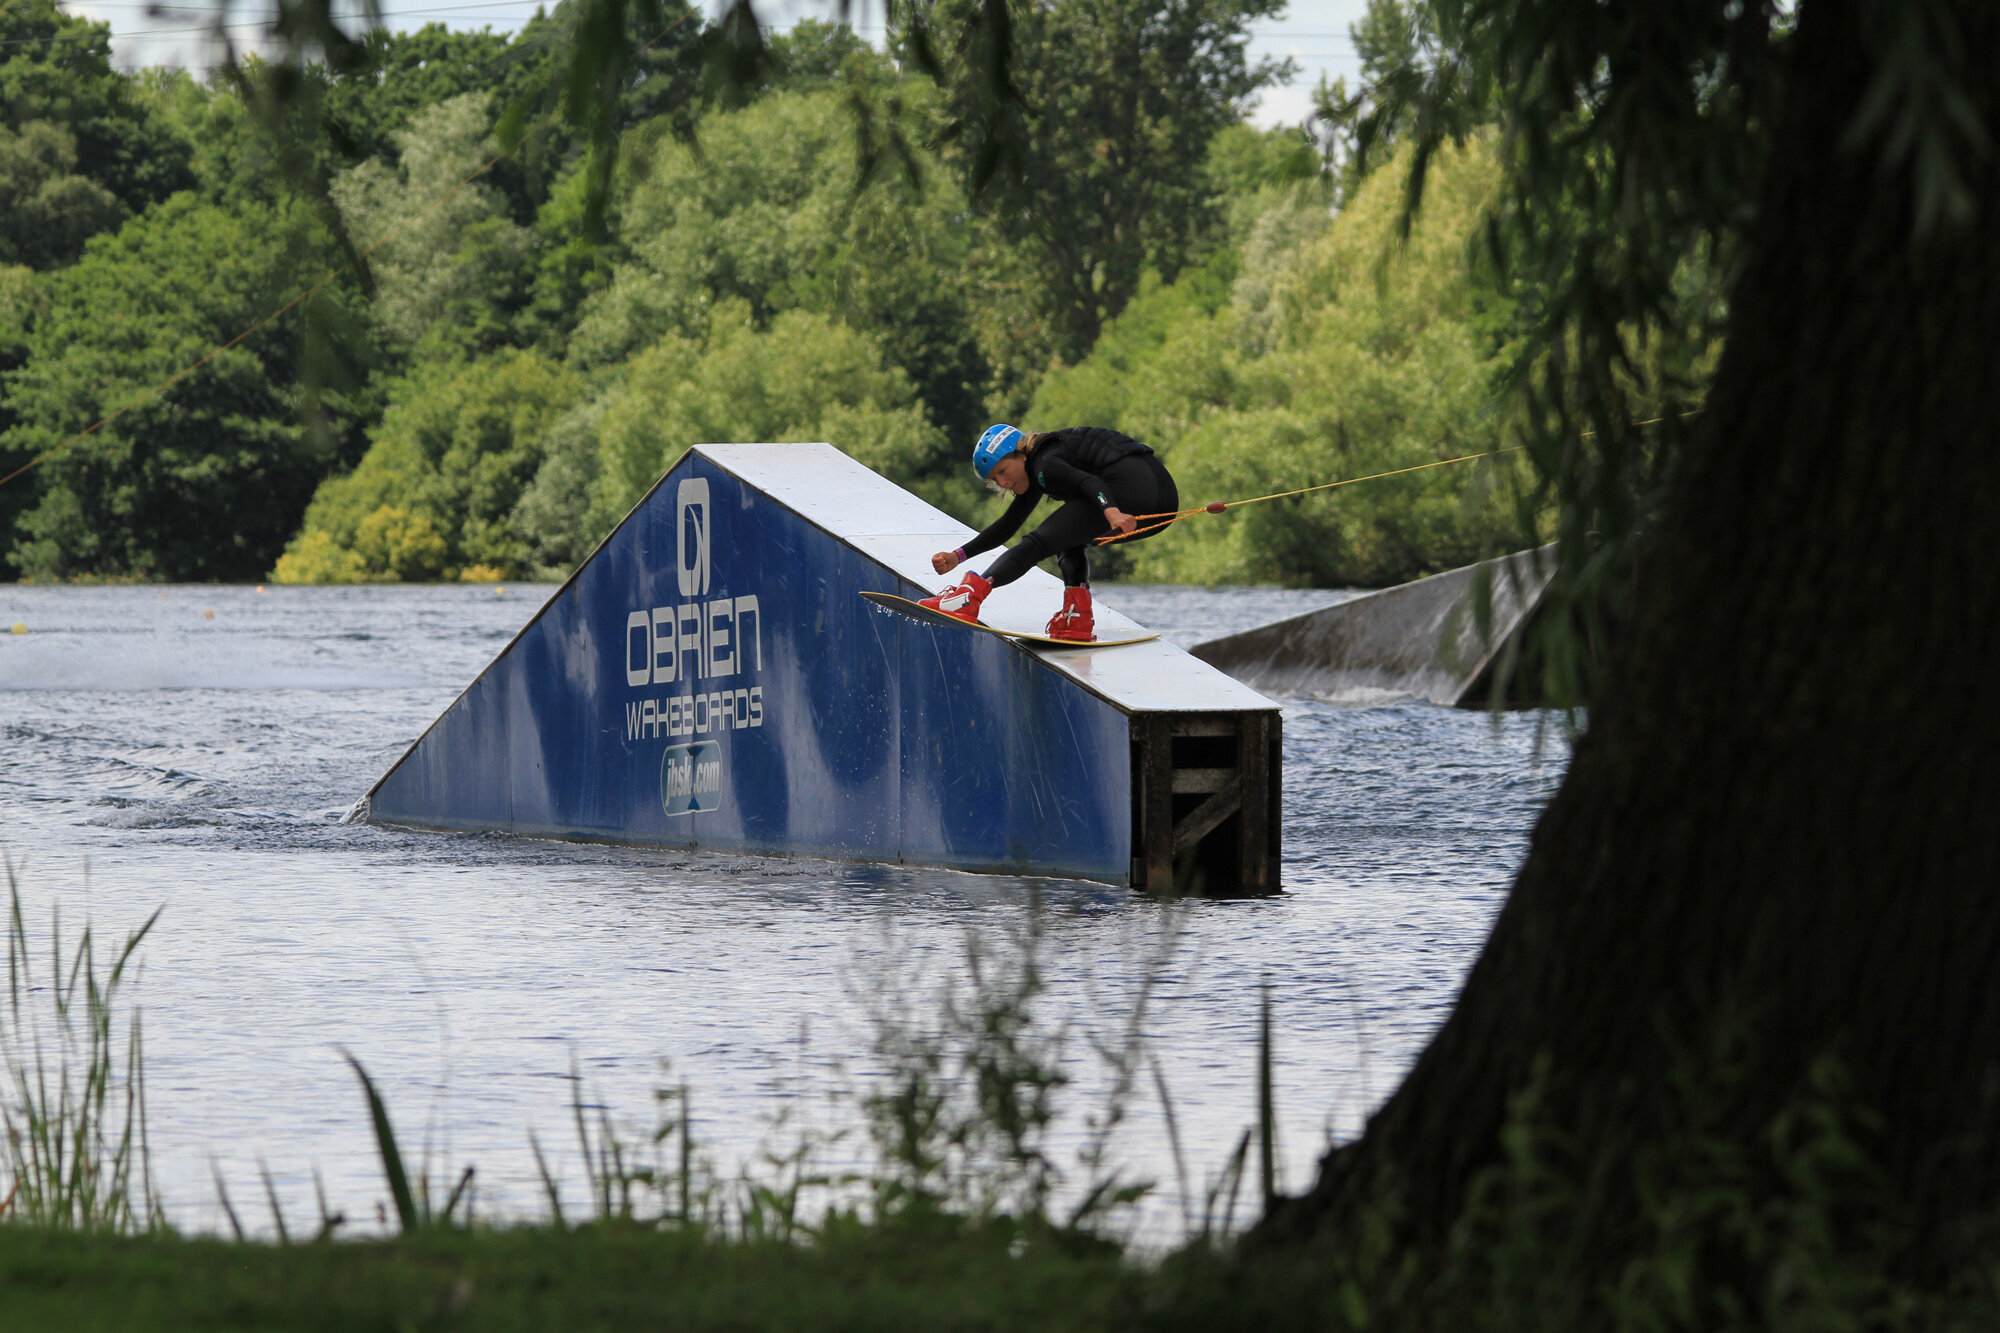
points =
(1312, 33)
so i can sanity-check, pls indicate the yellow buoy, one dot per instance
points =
(499, 592)
(20, 627)
(208, 615)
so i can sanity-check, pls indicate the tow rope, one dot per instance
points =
(1222, 506)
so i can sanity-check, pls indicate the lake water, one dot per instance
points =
(153, 754)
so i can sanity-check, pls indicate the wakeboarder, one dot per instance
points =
(1102, 480)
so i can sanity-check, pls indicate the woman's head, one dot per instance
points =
(1000, 458)
(1011, 473)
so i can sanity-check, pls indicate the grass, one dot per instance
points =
(966, 1218)
(74, 1114)
(600, 1276)
(668, 1243)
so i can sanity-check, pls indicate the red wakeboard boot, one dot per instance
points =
(962, 599)
(1074, 622)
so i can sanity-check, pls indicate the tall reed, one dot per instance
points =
(974, 1104)
(417, 1208)
(74, 1106)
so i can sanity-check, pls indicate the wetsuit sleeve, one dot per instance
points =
(1065, 481)
(1003, 527)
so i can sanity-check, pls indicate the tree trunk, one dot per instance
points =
(1781, 833)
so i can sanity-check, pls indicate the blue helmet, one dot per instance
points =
(994, 445)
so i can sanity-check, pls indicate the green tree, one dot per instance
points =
(435, 493)
(226, 162)
(57, 68)
(1251, 170)
(369, 108)
(767, 213)
(1396, 46)
(805, 378)
(22, 300)
(569, 267)
(1118, 102)
(563, 514)
(1327, 348)
(450, 266)
(48, 209)
(524, 75)
(800, 377)
(816, 54)
(208, 478)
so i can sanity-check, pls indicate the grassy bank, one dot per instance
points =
(609, 1277)
(963, 1212)
(959, 1212)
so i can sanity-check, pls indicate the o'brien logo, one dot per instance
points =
(696, 660)
(691, 532)
(691, 778)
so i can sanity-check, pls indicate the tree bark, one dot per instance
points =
(1782, 828)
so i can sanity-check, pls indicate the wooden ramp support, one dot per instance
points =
(1205, 803)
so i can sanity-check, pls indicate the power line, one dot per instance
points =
(93, 35)
(139, 34)
(170, 8)
(132, 34)
(490, 6)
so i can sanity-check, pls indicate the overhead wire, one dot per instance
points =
(172, 6)
(143, 34)
(168, 7)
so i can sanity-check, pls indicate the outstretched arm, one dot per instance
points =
(1005, 526)
(996, 534)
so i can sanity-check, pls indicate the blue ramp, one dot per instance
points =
(711, 678)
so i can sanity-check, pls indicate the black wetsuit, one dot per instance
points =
(1088, 469)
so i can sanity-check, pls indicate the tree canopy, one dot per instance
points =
(55, 70)
(1117, 98)
(788, 235)
(205, 480)
(1321, 348)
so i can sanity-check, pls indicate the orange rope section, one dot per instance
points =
(1219, 506)
(306, 295)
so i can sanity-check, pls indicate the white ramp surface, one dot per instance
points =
(900, 531)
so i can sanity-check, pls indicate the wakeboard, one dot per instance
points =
(905, 606)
